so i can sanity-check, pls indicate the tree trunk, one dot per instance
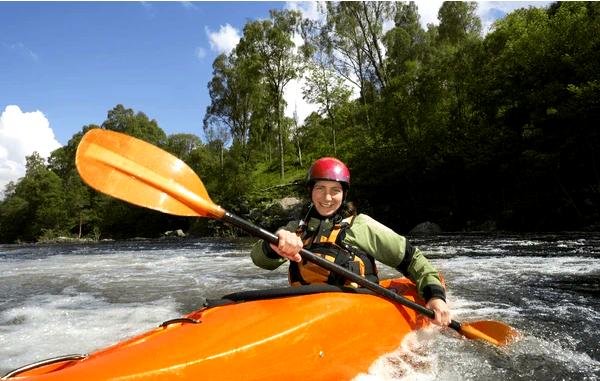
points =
(221, 158)
(280, 141)
(280, 135)
(299, 153)
(332, 119)
(80, 224)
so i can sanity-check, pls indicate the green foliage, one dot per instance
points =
(14, 217)
(124, 120)
(182, 145)
(267, 45)
(35, 205)
(458, 21)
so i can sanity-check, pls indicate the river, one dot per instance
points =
(63, 299)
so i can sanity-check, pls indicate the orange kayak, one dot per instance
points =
(300, 333)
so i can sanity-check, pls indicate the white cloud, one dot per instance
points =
(189, 5)
(200, 53)
(428, 10)
(22, 133)
(21, 49)
(488, 11)
(149, 9)
(225, 40)
(309, 9)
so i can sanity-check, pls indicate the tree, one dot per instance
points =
(13, 215)
(217, 134)
(410, 94)
(325, 88)
(296, 132)
(269, 43)
(355, 41)
(138, 125)
(540, 64)
(81, 216)
(458, 21)
(233, 90)
(35, 207)
(182, 145)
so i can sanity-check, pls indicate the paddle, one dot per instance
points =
(142, 174)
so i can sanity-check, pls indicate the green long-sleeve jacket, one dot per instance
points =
(380, 242)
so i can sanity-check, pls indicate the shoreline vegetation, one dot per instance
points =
(90, 241)
(494, 133)
(424, 229)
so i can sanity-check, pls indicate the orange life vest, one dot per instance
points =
(331, 246)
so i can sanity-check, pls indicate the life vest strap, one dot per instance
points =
(331, 246)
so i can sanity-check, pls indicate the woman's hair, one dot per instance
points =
(347, 209)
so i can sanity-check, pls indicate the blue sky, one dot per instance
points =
(76, 61)
(64, 65)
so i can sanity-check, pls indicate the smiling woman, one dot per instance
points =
(327, 196)
(354, 241)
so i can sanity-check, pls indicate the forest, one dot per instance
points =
(474, 132)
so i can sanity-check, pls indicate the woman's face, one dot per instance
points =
(327, 197)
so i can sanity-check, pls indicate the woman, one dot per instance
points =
(332, 228)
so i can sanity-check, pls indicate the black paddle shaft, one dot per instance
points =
(376, 288)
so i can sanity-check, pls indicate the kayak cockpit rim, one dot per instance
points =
(283, 292)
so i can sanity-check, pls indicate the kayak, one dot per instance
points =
(316, 332)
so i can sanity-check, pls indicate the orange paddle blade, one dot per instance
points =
(492, 331)
(138, 172)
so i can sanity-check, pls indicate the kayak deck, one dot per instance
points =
(317, 334)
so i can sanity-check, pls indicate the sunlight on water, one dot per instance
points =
(547, 289)
(52, 325)
(433, 354)
(412, 361)
(77, 299)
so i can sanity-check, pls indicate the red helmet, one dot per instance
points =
(329, 168)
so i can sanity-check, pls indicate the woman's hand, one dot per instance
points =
(442, 312)
(289, 245)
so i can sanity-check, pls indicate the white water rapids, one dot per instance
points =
(63, 299)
